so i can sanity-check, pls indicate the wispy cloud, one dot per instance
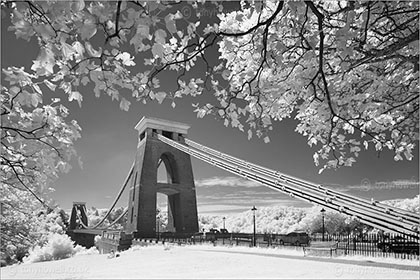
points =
(220, 208)
(243, 205)
(229, 181)
(223, 195)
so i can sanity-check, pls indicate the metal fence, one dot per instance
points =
(374, 245)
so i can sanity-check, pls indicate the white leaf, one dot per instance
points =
(173, 40)
(37, 89)
(85, 80)
(398, 157)
(316, 159)
(79, 50)
(75, 95)
(88, 30)
(157, 50)
(226, 74)
(366, 144)
(201, 113)
(160, 36)
(170, 23)
(35, 99)
(44, 63)
(408, 155)
(395, 133)
(50, 85)
(91, 51)
(67, 50)
(124, 104)
(249, 134)
(66, 86)
(160, 96)
(78, 5)
(126, 59)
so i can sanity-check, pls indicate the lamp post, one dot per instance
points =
(224, 232)
(254, 241)
(157, 228)
(323, 224)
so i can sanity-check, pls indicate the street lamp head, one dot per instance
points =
(322, 211)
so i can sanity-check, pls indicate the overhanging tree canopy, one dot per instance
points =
(346, 71)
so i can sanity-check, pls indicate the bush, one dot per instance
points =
(59, 246)
(97, 238)
(25, 229)
(80, 251)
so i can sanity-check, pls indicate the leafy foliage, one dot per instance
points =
(408, 204)
(280, 220)
(95, 215)
(58, 247)
(283, 220)
(36, 141)
(24, 225)
(346, 71)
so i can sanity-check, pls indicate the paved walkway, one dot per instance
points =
(319, 259)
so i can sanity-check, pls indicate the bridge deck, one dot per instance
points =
(90, 231)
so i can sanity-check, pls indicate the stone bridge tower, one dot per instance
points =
(180, 188)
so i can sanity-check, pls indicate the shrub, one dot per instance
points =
(25, 229)
(97, 238)
(59, 246)
(80, 250)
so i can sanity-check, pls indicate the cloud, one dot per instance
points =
(220, 208)
(236, 206)
(229, 181)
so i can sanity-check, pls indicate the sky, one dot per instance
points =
(109, 142)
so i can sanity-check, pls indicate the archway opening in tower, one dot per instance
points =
(166, 170)
(162, 213)
(167, 197)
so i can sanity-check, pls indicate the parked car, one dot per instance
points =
(398, 244)
(224, 231)
(214, 230)
(295, 238)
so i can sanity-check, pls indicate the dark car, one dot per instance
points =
(214, 230)
(398, 244)
(296, 238)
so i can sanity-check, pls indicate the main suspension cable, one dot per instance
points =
(390, 211)
(114, 202)
(307, 196)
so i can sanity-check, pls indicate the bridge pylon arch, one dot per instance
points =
(78, 216)
(180, 188)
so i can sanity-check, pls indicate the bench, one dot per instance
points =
(321, 246)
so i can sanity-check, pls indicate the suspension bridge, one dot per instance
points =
(166, 142)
